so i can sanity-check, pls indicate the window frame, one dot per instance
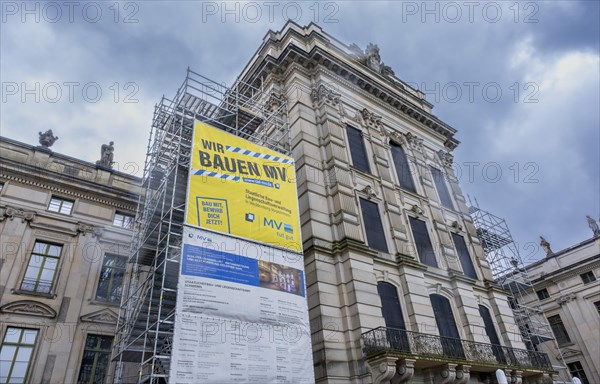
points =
(83, 351)
(577, 371)
(33, 254)
(406, 164)
(542, 294)
(124, 220)
(440, 183)
(588, 277)
(470, 270)
(354, 155)
(560, 332)
(113, 269)
(370, 239)
(422, 258)
(18, 345)
(61, 201)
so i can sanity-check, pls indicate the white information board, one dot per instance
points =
(241, 314)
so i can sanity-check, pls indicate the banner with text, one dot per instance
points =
(242, 314)
(243, 189)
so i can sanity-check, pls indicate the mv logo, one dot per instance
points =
(277, 225)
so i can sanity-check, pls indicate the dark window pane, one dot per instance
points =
(559, 330)
(576, 370)
(402, 167)
(392, 314)
(358, 152)
(588, 277)
(95, 360)
(463, 255)
(110, 283)
(447, 327)
(542, 294)
(373, 226)
(597, 304)
(422, 242)
(441, 187)
(490, 330)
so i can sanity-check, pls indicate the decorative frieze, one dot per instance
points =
(28, 307)
(325, 95)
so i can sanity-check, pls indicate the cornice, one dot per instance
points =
(51, 185)
(386, 93)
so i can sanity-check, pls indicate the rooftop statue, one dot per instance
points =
(593, 226)
(47, 139)
(106, 155)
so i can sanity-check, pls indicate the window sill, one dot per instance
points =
(31, 293)
(105, 303)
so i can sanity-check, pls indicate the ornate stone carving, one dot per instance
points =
(371, 120)
(444, 374)
(516, 377)
(446, 158)
(105, 316)
(106, 155)
(416, 210)
(415, 142)
(405, 368)
(369, 191)
(372, 59)
(326, 95)
(463, 374)
(456, 225)
(28, 307)
(47, 139)
(566, 298)
(11, 213)
(275, 101)
(396, 136)
(84, 229)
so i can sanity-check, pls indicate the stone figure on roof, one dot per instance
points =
(47, 138)
(593, 226)
(545, 246)
(106, 155)
(372, 59)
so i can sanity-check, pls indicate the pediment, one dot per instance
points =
(28, 307)
(104, 316)
(569, 352)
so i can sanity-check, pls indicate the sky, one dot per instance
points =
(520, 81)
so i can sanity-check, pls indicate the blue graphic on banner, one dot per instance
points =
(213, 264)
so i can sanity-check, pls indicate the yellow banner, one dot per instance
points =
(243, 189)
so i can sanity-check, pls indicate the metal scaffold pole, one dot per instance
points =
(142, 349)
(509, 271)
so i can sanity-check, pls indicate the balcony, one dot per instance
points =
(423, 347)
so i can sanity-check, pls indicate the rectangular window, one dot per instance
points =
(358, 151)
(123, 220)
(441, 187)
(41, 270)
(110, 284)
(16, 354)
(542, 294)
(402, 168)
(422, 242)
(60, 205)
(463, 255)
(559, 330)
(96, 360)
(373, 226)
(577, 371)
(597, 305)
(588, 277)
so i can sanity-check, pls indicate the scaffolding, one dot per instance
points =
(142, 348)
(508, 270)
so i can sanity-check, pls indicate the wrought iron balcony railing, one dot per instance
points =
(420, 345)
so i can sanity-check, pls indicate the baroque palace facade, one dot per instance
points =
(398, 286)
(66, 228)
(567, 285)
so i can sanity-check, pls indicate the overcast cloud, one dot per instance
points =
(518, 80)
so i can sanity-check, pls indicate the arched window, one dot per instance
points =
(444, 318)
(392, 314)
(490, 330)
